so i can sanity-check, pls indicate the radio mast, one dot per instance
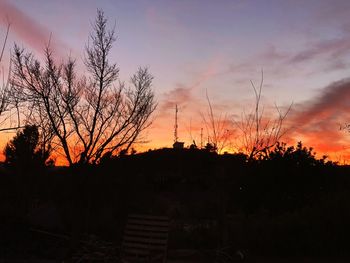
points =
(201, 138)
(177, 144)
(175, 127)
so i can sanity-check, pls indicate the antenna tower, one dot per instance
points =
(201, 138)
(175, 130)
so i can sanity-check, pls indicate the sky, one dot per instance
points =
(199, 47)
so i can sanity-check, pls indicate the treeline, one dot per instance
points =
(289, 203)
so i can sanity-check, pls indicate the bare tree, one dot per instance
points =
(89, 116)
(258, 132)
(5, 83)
(5, 90)
(217, 128)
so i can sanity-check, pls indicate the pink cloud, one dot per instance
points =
(178, 95)
(182, 94)
(28, 29)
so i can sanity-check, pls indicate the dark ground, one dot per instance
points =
(290, 208)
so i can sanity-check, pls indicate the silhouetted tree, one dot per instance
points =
(24, 151)
(5, 84)
(210, 147)
(217, 129)
(86, 117)
(299, 155)
(6, 106)
(259, 133)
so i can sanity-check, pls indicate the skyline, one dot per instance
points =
(197, 47)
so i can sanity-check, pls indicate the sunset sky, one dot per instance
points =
(194, 46)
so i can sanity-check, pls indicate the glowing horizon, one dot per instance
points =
(194, 47)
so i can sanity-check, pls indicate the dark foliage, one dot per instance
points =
(290, 204)
(24, 151)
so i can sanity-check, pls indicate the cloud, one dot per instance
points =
(334, 101)
(333, 13)
(183, 93)
(329, 18)
(28, 29)
(332, 53)
(178, 95)
(334, 48)
(318, 121)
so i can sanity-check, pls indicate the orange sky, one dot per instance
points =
(198, 47)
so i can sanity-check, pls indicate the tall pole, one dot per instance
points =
(201, 138)
(175, 131)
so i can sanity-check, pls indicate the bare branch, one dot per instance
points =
(85, 116)
(217, 128)
(5, 41)
(259, 133)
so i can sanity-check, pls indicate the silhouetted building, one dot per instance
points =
(178, 145)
